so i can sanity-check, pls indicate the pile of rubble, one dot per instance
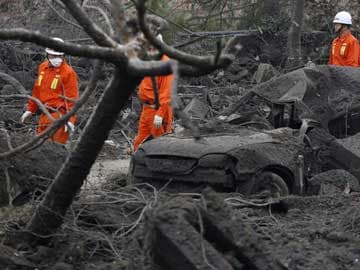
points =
(130, 228)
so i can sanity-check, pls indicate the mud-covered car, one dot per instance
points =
(275, 138)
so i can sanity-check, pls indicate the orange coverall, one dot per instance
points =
(51, 85)
(345, 51)
(147, 98)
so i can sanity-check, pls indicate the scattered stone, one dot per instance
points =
(264, 73)
(197, 109)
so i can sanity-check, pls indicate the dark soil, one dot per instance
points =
(318, 232)
(313, 233)
(30, 172)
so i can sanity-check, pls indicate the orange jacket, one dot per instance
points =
(146, 92)
(54, 83)
(345, 51)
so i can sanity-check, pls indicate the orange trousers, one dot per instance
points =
(146, 125)
(60, 136)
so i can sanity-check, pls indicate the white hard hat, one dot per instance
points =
(53, 52)
(343, 17)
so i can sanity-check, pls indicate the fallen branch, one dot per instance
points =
(240, 202)
(38, 103)
(14, 82)
(8, 138)
(8, 185)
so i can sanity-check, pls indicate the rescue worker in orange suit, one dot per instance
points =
(56, 86)
(345, 47)
(155, 121)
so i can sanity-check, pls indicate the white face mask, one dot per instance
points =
(56, 62)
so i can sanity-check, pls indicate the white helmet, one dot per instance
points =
(343, 17)
(53, 52)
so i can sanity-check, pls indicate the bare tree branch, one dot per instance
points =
(60, 4)
(14, 82)
(191, 71)
(99, 36)
(110, 54)
(104, 15)
(157, 68)
(171, 22)
(8, 138)
(38, 103)
(149, 68)
(201, 62)
(62, 17)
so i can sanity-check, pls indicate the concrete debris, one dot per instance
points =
(264, 73)
(197, 109)
(189, 236)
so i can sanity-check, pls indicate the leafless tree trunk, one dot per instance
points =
(294, 37)
(50, 212)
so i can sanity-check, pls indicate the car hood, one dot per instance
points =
(188, 147)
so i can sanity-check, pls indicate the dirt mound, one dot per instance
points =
(320, 86)
(325, 91)
(352, 143)
(29, 171)
(310, 234)
(119, 229)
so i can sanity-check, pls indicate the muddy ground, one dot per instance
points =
(113, 230)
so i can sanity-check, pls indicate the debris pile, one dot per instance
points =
(129, 228)
(30, 173)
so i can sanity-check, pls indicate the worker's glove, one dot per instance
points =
(69, 127)
(310, 64)
(222, 117)
(26, 115)
(157, 121)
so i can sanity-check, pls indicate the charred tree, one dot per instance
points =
(50, 212)
(294, 35)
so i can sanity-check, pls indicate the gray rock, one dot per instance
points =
(196, 109)
(264, 73)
